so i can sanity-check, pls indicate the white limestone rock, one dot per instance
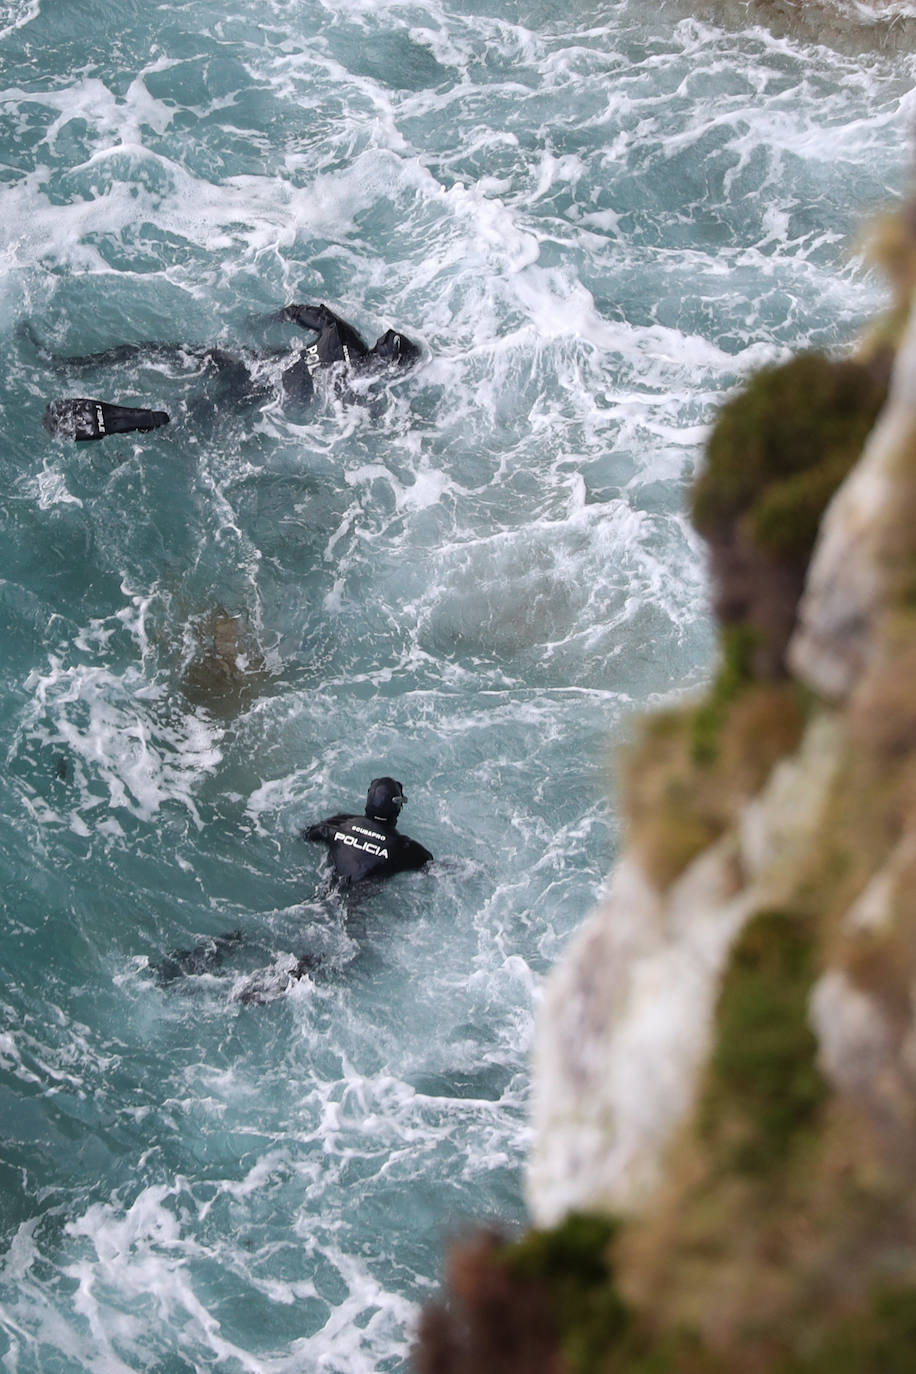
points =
(847, 578)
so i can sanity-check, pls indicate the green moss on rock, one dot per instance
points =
(764, 1090)
(734, 674)
(775, 456)
(549, 1304)
(787, 516)
(809, 416)
(688, 770)
(545, 1304)
(880, 1339)
(573, 1261)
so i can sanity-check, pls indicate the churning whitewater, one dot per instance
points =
(216, 633)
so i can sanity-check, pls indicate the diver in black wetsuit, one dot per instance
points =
(338, 342)
(361, 847)
(232, 380)
(370, 846)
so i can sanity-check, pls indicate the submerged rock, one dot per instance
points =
(224, 670)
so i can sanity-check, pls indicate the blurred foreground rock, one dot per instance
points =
(724, 1159)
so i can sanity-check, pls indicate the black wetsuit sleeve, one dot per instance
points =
(314, 317)
(337, 342)
(324, 831)
(412, 854)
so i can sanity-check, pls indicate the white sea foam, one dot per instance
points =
(16, 14)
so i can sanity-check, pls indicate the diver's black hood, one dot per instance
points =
(395, 349)
(385, 799)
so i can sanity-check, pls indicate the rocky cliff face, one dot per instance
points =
(724, 1157)
(729, 1049)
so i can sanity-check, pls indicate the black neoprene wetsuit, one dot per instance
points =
(231, 379)
(365, 847)
(338, 342)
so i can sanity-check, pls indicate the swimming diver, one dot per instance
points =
(363, 847)
(369, 846)
(232, 380)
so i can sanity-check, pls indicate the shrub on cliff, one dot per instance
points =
(776, 454)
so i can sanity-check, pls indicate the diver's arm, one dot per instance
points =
(337, 341)
(314, 317)
(413, 854)
(324, 830)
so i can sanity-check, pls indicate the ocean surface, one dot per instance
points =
(595, 219)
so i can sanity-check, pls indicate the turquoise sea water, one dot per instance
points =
(595, 221)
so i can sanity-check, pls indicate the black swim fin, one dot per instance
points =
(80, 418)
